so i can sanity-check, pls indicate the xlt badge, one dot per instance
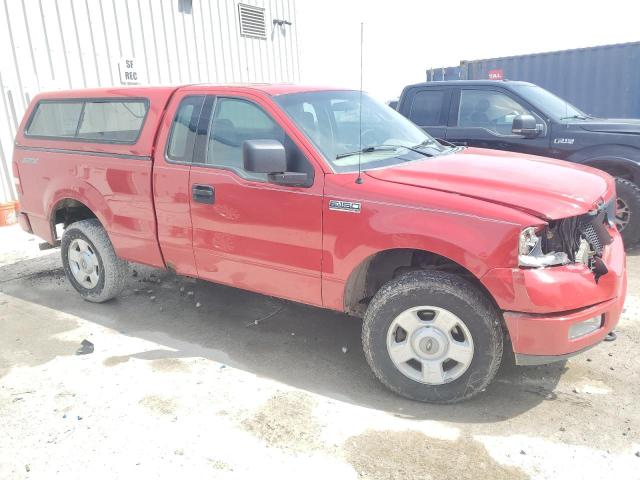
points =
(344, 206)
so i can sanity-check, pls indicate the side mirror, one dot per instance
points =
(264, 156)
(270, 157)
(526, 126)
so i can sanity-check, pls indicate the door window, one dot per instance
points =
(491, 110)
(235, 121)
(426, 108)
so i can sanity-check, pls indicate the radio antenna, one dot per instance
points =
(359, 179)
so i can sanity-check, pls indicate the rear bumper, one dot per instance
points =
(541, 305)
(23, 221)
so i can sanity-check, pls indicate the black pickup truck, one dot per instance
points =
(523, 117)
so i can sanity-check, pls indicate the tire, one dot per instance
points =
(629, 199)
(104, 273)
(446, 293)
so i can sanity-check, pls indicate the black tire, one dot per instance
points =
(459, 297)
(629, 193)
(112, 271)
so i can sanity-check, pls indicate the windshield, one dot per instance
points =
(331, 120)
(555, 107)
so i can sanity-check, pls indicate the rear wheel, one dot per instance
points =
(433, 337)
(628, 211)
(91, 263)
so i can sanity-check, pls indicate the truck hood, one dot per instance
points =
(547, 188)
(611, 125)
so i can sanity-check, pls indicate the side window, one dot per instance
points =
(110, 121)
(235, 121)
(183, 129)
(94, 120)
(55, 119)
(492, 110)
(426, 107)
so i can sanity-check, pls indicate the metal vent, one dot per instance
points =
(252, 21)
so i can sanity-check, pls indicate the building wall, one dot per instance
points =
(64, 44)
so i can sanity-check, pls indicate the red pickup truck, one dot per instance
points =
(329, 198)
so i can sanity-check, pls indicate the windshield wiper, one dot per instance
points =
(378, 148)
(579, 117)
(387, 147)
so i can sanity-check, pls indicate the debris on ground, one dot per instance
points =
(86, 347)
(198, 304)
(266, 317)
(345, 349)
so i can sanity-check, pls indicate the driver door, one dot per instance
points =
(484, 118)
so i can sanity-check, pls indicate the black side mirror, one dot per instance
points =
(270, 157)
(264, 156)
(525, 125)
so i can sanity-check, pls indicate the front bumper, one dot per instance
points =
(541, 305)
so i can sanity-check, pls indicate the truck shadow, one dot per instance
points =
(308, 348)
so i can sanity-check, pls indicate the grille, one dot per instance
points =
(252, 21)
(592, 237)
(594, 230)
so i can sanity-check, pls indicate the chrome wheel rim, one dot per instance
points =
(430, 345)
(83, 263)
(623, 214)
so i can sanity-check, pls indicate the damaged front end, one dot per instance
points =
(579, 239)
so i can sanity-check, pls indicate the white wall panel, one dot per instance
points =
(71, 44)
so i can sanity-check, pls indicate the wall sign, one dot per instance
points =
(129, 71)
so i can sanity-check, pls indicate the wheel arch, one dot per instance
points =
(377, 269)
(617, 160)
(68, 210)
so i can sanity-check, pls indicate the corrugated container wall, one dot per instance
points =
(63, 44)
(603, 81)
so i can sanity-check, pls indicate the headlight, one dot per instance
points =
(530, 251)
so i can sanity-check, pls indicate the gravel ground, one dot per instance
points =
(198, 380)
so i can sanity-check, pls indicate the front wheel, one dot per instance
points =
(91, 263)
(432, 337)
(628, 211)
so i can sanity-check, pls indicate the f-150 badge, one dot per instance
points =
(344, 206)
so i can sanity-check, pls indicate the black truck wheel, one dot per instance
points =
(628, 211)
(432, 337)
(90, 262)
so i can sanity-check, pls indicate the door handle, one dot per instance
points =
(203, 193)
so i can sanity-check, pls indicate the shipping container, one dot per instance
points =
(443, 74)
(603, 81)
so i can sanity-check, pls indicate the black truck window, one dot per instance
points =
(488, 109)
(426, 107)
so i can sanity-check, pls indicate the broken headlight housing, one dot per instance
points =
(580, 239)
(530, 253)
